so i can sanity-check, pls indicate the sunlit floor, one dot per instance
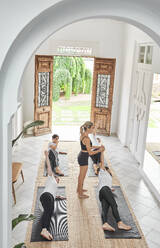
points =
(71, 132)
(146, 208)
(153, 135)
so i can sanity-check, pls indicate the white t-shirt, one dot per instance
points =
(51, 187)
(105, 179)
(94, 140)
(52, 144)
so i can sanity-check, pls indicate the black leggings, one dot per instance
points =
(107, 199)
(47, 201)
(96, 158)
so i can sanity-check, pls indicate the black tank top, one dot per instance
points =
(83, 147)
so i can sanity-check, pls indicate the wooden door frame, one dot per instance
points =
(94, 90)
(93, 84)
(42, 58)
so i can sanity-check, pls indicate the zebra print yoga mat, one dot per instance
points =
(125, 216)
(63, 165)
(58, 225)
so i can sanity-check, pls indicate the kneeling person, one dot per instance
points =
(53, 154)
(47, 199)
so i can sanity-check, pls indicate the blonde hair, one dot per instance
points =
(87, 124)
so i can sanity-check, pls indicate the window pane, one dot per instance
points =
(141, 54)
(102, 94)
(43, 89)
(149, 54)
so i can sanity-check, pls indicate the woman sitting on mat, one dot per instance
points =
(107, 200)
(97, 158)
(53, 155)
(47, 199)
(86, 151)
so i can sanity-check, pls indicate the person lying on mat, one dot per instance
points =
(53, 154)
(107, 200)
(97, 158)
(47, 199)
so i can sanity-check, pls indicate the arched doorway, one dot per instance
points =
(28, 40)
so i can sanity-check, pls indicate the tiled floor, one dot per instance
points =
(145, 206)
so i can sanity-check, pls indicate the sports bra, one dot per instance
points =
(83, 147)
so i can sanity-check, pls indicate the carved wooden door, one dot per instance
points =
(43, 93)
(142, 78)
(102, 93)
(141, 97)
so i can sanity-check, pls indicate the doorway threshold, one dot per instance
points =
(67, 133)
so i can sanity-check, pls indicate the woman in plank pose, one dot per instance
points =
(47, 199)
(86, 150)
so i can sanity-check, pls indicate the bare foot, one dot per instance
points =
(123, 226)
(95, 169)
(45, 234)
(59, 172)
(83, 196)
(84, 190)
(107, 227)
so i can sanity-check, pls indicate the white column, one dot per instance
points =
(6, 186)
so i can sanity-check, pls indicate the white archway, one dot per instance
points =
(143, 15)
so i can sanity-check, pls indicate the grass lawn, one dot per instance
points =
(71, 113)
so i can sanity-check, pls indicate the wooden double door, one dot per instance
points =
(102, 93)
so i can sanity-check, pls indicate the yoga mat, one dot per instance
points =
(90, 171)
(58, 225)
(125, 216)
(63, 165)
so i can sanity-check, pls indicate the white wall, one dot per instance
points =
(23, 40)
(17, 14)
(105, 36)
(132, 35)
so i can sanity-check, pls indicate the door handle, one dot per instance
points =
(43, 109)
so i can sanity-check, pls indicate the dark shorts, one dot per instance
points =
(83, 158)
(96, 158)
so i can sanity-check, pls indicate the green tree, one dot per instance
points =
(77, 84)
(78, 80)
(88, 81)
(63, 62)
(62, 80)
(56, 87)
(76, 67)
